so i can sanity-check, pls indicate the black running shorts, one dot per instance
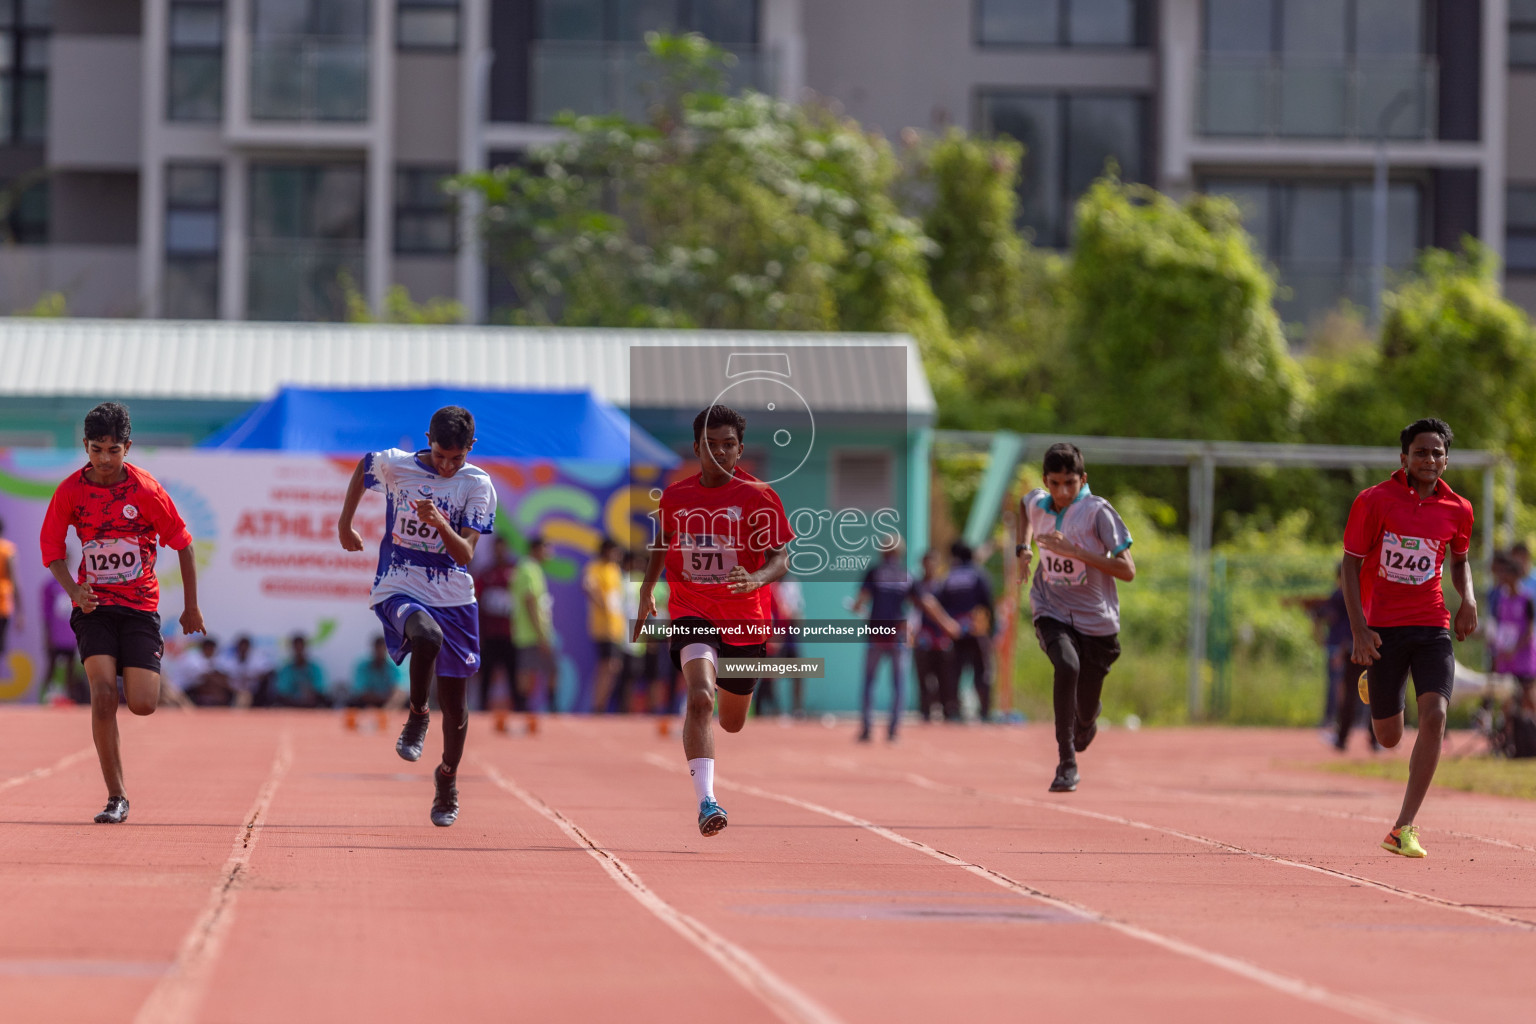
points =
(700, 631)
(1423, 651)
(126, 634)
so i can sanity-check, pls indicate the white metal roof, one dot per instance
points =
(242, 360)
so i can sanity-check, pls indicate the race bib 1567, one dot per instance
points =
(1410, 560)
(412, 533)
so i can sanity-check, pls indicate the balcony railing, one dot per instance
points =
(616, 78)
(290, 279)
(1298, 98)
(309, 78)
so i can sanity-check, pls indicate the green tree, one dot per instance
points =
(1174, 332)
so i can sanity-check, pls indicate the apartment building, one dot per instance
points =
(237, 159)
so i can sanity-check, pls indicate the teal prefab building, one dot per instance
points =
(841, 423)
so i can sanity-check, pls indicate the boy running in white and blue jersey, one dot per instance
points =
(1084, 548)
(436, 507)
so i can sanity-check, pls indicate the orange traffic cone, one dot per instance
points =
(500, 719)
(351, 719)
(383, 720)
(533, 723)
(664, 725)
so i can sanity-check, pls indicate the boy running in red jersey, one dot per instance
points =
(1395, 548)
(120, 513)
(724, 536)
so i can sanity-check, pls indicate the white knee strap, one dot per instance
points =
(694, 652)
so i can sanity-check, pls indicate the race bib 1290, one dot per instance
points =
(112, 561)
(1410, 560)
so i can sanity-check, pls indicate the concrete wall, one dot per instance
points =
(428, 277)
(1521, 290)
(894, 64)
(94, 104)
(94, 208)
(96, 280)
(1520, 154)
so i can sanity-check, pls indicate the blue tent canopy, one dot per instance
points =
(508, 424)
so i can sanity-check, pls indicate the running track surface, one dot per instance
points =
(277, 867)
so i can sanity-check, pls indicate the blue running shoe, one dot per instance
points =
(711, 817)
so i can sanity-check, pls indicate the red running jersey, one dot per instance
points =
(119, 527)
(713, 530)
(1402, 540)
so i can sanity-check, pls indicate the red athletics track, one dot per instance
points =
(279, 868)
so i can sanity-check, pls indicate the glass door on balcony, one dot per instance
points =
(307, 230)
(586, 56)
(309, 60)
(1329, 69)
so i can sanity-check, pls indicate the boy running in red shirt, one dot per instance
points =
(1395, 548)
(120, 513)
(724, 536)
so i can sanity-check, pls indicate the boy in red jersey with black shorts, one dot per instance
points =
(120, 514)
(1399, 535)
(724, 536)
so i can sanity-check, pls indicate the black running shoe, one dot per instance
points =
(1082, 735)
(414, 736)
(1066, 778)
(116, 811)
(445, 805)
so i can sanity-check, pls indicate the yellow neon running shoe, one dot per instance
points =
(1404, 842)
(1365, 690)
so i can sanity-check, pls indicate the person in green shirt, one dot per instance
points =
(533, 630)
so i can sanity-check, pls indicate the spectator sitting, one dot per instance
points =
(377, 682)
(199, 677)
(248, 670)
(300, 683)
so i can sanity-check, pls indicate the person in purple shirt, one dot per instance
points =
(888, 591)
(1343, 673)
(56, 606)
(966, 596)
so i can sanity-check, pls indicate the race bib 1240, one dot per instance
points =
(1410, 560)
(112, 561)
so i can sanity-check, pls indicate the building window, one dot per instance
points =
(1069, 140)
(195, 83)
(193, 235)
(863, 479)
(307, 226)
(425, 220)
(1520, 229)
(24, 32)
(1318, 234)
(427, 25)
(309, 60)
(24, 211)
(1110, 23)
(725, 22)
(1522, 33)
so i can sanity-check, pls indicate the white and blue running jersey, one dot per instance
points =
(412, 558)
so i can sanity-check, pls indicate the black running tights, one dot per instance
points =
(1081, 663)
(426, 639)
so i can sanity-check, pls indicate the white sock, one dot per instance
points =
(703, 771)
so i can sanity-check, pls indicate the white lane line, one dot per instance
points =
(38, 773)
(1083, 812)
(178, 995)
(1354, 1006)
(787, 1002)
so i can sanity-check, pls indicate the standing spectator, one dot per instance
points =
(786, 604)
(7, 585)
(198, 675)
(1522, 558)
(493, 594)
(934, 642)
(56, 607)
(966, 596)
(249, 672)
(639, 660)
(603, 583)
(533, 629)
(1514, 615)
(1343, 674)
(889, 591)
(299, 683)
(377, 682)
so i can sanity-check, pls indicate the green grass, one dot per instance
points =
(1495, 776)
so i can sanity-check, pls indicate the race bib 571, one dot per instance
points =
(706, 558)
(1410, 560)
